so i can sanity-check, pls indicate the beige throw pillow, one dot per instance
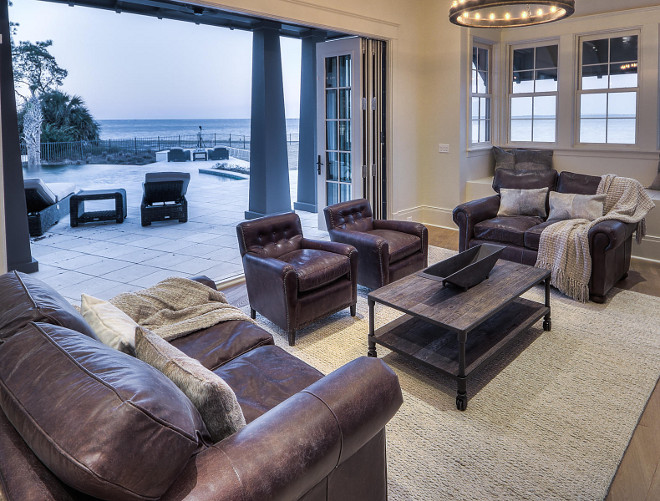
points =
(514, 202)
(209, 393)
(112, 326)
(572, 206)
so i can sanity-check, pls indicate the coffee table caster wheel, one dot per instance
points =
(461, 403)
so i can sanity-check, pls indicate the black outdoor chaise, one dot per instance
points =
(164, 197)
(219, 153)
(46, 204)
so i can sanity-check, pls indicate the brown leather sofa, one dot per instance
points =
(387, 250)
(610, 242)
(81, 420)
(291, 280)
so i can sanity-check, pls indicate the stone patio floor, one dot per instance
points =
(103, 259)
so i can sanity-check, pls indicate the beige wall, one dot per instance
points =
(428, 77)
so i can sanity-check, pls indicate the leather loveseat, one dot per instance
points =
(81, 420)
(610, 242)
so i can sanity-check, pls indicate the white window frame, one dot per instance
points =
(580, 92)
(510, 95)
(488, 96)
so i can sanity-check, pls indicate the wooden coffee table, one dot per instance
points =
(453, 331)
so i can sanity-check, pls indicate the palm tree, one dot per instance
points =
(66, 118)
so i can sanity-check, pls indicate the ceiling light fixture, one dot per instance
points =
(508, 13)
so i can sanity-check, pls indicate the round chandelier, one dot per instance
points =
(508, 13)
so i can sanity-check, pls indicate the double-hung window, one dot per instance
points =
(533, 94)
(481, 95)
(608, 88)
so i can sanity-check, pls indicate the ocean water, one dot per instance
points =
(128, 129)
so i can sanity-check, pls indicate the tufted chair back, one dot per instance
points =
(270, 236)
(354, 215)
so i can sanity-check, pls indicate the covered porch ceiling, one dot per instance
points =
(183, 11)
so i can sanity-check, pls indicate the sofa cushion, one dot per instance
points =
(533, 160)
(27, 299)
(111, 325)
(533, 235)
(316, 268)
(515, 202)
(105, 423)
(504, 159)
(506, 229)
(211, 396)
(217, 345)
(524, 180)
(266, 377)
(570, 182)
(574, 206)
(400, 244)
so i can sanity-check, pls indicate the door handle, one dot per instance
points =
(318, 165)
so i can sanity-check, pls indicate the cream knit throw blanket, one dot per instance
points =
(176, 306)
(564, 246)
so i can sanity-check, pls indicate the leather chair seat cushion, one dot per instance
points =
(217, 345)
(104, 422)
(266, 377)
(316, 268)
(533, 235)
(506, 229)
(27, 299)
(401, 245)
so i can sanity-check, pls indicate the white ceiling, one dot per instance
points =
(587, 7)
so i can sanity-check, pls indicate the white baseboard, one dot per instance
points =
(649, 249)
(426, 214)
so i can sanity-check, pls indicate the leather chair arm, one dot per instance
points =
(609, 234)
(467, 215)
(203, 279)
(409, 227)
(291, 448)
(324, 245)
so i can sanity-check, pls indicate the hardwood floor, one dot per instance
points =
(638, 475)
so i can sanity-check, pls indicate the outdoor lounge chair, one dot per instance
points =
(178, 155)
(164, 197)
(219, 153)
(46, 204)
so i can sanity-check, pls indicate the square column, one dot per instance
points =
(269, 166)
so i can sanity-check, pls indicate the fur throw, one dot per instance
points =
(176, 306)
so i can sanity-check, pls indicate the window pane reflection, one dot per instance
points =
(330, 72)
(345, 71)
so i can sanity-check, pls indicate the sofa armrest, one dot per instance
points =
(467, 215)
(203, 279)
(292, 447)
(609, 234)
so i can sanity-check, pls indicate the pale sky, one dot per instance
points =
(127, 66)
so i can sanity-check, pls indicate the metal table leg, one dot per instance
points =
(547, 323)
(370, 339)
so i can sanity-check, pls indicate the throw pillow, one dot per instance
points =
(572, 206)
(515, 202)
(533, 159)
(209, 393)
(503, 159)
(111, 325)
(655, 185)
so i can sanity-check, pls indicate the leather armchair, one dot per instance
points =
(387, 250)
(291, 280)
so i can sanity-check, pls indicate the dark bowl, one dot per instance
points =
(466, 269)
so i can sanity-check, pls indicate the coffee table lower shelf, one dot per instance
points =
(442, 349)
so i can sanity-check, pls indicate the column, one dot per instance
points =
(19, 256)
(307, 149)
(269, 167)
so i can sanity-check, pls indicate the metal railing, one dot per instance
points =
(99, 149)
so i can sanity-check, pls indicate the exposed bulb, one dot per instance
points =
(553, 9)
(477, 16)
(539, 12)
(491, 17)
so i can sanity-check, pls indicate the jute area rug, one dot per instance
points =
(553, 423)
